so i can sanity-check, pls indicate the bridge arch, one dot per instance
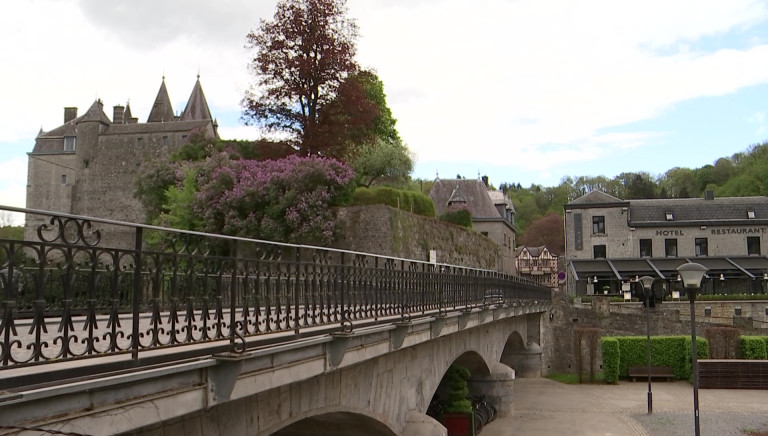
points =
(336, 423)
(522, 356)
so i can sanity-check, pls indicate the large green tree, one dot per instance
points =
(303, 55)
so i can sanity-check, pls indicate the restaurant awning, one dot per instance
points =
(666, 267)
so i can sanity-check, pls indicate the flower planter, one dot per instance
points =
(459, 424)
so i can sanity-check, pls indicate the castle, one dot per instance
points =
(89, 164)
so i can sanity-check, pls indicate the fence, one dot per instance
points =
(67, 292)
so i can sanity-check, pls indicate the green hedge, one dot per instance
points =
(611, 360)
(411, 201)
(754, 347)
(672, 351)
(461, 217)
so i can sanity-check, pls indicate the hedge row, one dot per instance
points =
(461, 217)
(411, 201)
(754, 347)
(621, 352)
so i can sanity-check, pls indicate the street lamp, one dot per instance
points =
(647, 282)
(692, 273)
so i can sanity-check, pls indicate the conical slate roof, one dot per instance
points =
(161, 110)
(197, 106)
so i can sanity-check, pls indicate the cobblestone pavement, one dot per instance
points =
(545, 407)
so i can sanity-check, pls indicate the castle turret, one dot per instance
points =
(89, 127)
(197, 106)
(162, 112)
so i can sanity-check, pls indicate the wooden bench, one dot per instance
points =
(656, 372)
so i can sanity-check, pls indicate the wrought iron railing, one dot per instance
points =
(79, 287)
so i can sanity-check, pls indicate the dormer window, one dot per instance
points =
(751, 214)
(69, 143)
(670, 217)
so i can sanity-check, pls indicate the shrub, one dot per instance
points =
(460, 217)
(610, 359)
(286, 200)
(456, 382)
(754, 347)
(672, 351)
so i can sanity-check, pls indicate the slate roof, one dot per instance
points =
(53, 140)
(693, 211)
(161, 112)
(499, 198)
(596, 198)
(533, 251)
(139, 128)
(197, 115)
(474, 192)
(197, 106)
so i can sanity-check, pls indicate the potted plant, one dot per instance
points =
(457, 412)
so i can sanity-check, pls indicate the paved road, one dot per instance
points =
(545, 407)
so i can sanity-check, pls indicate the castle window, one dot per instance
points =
(69, 143)
(139, 141)
(165, 140)
(183, 138)
(63, 179)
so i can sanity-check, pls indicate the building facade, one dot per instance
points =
(610, 242)
(537, 264)
(89, 164)
(492, 213)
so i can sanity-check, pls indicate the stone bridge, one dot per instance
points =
(201, 334)
(375, 380)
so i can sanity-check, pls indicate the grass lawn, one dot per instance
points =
(573, 379)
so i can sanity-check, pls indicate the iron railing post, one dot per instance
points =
(136, 294)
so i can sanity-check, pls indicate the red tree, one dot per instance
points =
(303, 55)
(548, 231)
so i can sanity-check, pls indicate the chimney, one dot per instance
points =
(117, 114)
(709, 195)
(70, 113)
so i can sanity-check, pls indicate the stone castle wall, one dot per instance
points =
(380, 229)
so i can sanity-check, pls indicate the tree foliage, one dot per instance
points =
(547, 231)
(303, 55)
(743, 174)
(382, 160)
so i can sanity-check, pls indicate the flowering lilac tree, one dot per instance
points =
(287, 200)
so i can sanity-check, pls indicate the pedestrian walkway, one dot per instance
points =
(544, 407)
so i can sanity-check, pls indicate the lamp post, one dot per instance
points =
(647, 282)
(692, 273)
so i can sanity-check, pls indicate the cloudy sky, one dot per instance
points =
(524, 91)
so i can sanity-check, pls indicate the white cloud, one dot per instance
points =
(574, 67)
(521, 84)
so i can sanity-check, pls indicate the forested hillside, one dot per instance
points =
(540, 209)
